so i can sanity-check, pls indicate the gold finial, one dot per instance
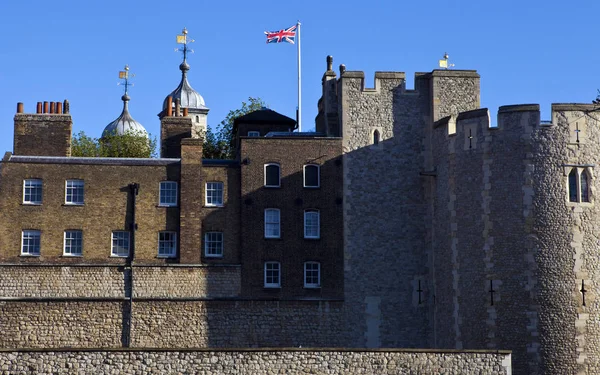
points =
(124, 75)
(444, 62)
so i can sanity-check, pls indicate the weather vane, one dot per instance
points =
(444, 62)
(183, 39)
(125, 75)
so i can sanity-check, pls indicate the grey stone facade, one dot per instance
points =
(286, 361)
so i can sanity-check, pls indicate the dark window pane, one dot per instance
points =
(272, 175)
(376, 137)
(585, 197)
(573, 186)
(311, 176)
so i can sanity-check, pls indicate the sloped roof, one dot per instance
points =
(265, 116)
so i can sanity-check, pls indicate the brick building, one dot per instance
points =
(408, 219)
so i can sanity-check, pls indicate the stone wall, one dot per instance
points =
(84, 281)
(289, 361)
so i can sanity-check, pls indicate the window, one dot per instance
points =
(213, 244)
(311, 224)
(74, 192)
(272, 275)
(167, 244)
(214, 193)
(120, 243)
(272, 175)
(73, 243)
(32, 191)
(272, 223)
(311, 176)
(579, 185)
(253, 133)
(30, 242)
(584, 186)
(168, 193)
(312, 275)
(376, 137)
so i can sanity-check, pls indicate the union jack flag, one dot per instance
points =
(287, 35)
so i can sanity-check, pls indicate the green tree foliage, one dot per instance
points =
(221, 145)
(129, 145)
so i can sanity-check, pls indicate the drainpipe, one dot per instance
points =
(128, 305)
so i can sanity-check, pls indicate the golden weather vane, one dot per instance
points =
(444, 62)
(125, 75)
(183, 39)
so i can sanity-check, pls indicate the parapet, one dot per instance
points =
(389, 78)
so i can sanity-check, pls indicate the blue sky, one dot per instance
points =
(526, 52)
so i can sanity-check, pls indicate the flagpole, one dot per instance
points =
(299, 83)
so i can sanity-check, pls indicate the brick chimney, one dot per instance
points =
(43, 134)
(191, 201)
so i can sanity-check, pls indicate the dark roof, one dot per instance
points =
(109, 161)
(265, 116)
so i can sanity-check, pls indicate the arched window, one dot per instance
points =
(573, 185)
(376, 137)
(311, 176)
(584, 186)
(197, 118)
(272, 178)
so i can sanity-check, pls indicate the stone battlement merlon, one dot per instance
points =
(395, 78)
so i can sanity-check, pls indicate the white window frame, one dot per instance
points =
(36, 184)
(77, 189)
(172, 249)
(268, 268)
(253, 133)
(579, 171)
(113, 247)
(309, 231)
(306, 271)
(270, 221)
(213, 189)
(160, 193)
(278, 177)
(318, 176)
(31, 235)
(208, 251)
(68, 244)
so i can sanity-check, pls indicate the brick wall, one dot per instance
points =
(291, 198)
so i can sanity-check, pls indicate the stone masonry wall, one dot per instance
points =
(22, 281)
(289, 361)
(227, 324)
(384, 255)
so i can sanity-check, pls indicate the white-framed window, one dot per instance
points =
(73, 243)
(74, 192)
(168, 194)
(253, 133)
(312, 176)
(272, 275)
(213, 244)
(272, 223)
(120, 243)
(312, 224)
(30, 242)
(579, 182)
(32, 191)
(167, 244)
(312, 275)
(272, 175)
(214, 194)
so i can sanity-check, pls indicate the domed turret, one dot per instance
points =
(124, 123)
(188, 97)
